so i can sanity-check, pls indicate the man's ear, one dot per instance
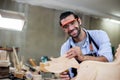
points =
(63, 29)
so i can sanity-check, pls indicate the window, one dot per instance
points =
(11, 20)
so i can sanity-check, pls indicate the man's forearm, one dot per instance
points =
(99, 58)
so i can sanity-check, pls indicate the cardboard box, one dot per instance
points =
(3, 55)
(4, 72)
(4, 64)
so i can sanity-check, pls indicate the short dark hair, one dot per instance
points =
(65, 14)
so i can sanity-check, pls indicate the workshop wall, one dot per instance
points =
(42, 35)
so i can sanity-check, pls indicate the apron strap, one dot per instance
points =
(91, 40)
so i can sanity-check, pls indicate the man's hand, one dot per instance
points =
(75, 52)
(64, 75)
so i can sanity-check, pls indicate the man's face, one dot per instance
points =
(71, 26)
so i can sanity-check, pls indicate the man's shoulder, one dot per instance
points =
(98, 36)
(96, 32)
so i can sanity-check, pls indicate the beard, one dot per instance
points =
(78, 31)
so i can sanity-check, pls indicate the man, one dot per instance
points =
(83, 44)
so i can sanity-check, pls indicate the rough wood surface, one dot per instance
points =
(58, 65)
(88, 70)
